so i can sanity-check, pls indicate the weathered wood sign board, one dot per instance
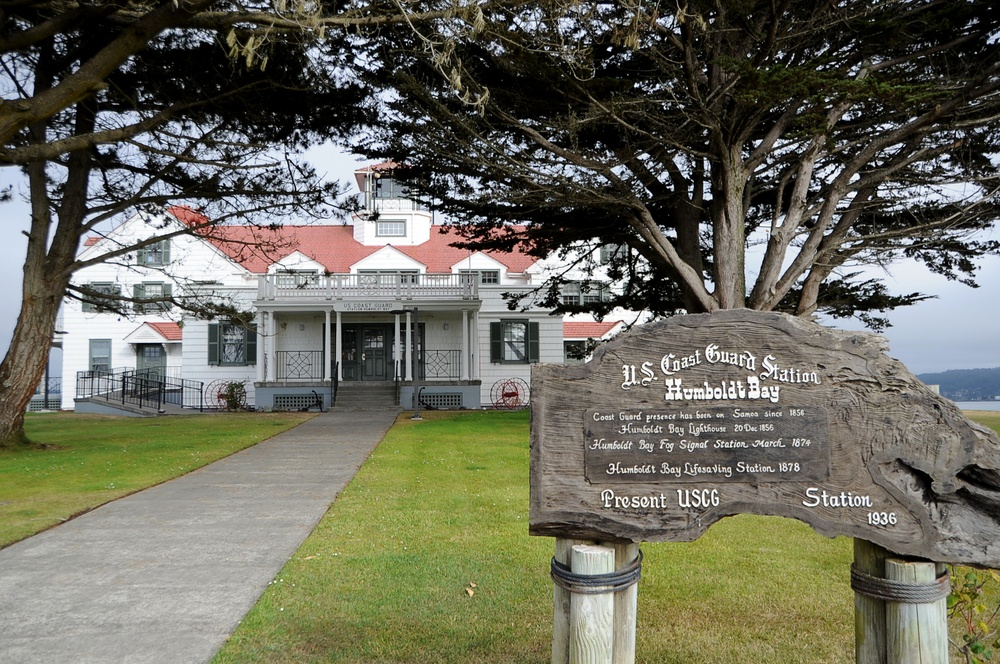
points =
(680, 423)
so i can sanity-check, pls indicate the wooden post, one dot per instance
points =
(869, 613)
(626, 602)
(915, 633)
(560, 601)
(591, 616)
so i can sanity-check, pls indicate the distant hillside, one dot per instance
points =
(966, 384)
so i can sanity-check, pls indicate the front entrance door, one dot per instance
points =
(365, 351)
(151, 360)
(373, 345)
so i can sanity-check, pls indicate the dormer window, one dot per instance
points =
(390, 228)
(154, 255)
(297, 278)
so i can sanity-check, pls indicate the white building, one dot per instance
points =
(332, 309)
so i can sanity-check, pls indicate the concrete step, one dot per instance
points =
(360, 396)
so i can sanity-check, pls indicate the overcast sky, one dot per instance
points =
(958, 330)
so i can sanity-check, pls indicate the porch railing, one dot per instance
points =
(309, 365)
(376, 286)
(440, 364)
(300, 364)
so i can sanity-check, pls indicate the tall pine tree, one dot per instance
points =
(752, 154)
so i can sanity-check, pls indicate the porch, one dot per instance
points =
(372, 334)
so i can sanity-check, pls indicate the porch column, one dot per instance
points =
(397, 348)
(465, 361)
(261, 332)
(271, 345)
(340, 350)
(328, 367)
(475, 345)
(409, 349)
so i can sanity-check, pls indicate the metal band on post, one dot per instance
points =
(587, 584)
(897, 591)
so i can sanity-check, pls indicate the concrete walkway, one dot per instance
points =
(166, 575)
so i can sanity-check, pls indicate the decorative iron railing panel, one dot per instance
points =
(300, 364)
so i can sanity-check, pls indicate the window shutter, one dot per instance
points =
(166, 252)
(251, 354)
(140, 256)
(168, 291)
(213, 343)
(533, 354)
(139, 292)
(496, 342)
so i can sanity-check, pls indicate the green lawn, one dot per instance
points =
(425, 556)
(442, 505)
(89, 460)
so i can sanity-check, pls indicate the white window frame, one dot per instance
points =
(485, 276)
(390, 228)
(103, 366)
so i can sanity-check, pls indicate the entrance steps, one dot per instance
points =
(362, 396)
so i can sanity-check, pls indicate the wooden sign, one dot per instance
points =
(680, 423)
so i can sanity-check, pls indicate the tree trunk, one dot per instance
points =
(47, 270)
(23, 367)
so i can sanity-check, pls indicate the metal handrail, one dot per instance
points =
(145, 388)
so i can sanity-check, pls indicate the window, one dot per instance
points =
(95, 303)
(232, 344)
(485, 276)
(154, 254)
(513, 342)
(390, 228)
(582, 293)
(157, 291)
(377, 278)
(610, 252)
(574, 351)
(390, 187)
(100, 355)
(297, 278)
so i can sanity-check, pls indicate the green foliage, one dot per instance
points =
(811, 137)
(233, 395)
(973, 605)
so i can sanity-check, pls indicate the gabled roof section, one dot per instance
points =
(589, 330)
(295, 261)
(389, 258)
(165, 332)
(336, 249)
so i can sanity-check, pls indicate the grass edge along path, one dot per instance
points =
(425, 557)
(90, 460)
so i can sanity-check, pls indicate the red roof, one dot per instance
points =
(169, 331)
(585, 330)
(335, 248)
(362, 173)
(188, 215)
